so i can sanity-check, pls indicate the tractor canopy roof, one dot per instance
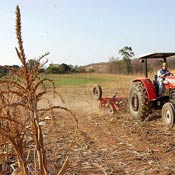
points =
(157, 55)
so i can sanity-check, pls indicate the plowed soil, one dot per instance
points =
(106, 144)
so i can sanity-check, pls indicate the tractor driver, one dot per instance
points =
(161, 74)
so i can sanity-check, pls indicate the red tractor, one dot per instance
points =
(144, 98)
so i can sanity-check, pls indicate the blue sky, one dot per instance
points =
(81, 32)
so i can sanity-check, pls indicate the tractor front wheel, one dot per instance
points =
(168, 113)
(139, 105)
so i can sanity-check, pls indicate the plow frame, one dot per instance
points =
(111, 104)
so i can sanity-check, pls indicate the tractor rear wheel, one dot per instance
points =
(139, 105)
(168, 113)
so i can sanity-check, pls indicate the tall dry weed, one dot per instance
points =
(20, 130)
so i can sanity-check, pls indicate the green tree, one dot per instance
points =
(59, 69)
(32, 62)
(4, 70)
(64, 68)
(52, 70)
(127, 53)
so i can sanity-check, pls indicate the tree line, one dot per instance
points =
(126, 64)
(6, 69)
(51, 69)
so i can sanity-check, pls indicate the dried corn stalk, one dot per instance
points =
(20, 93)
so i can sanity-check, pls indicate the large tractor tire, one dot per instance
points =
(97, 92)
(168, 113)
(139, 105)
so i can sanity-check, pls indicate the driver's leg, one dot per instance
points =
(160, 83)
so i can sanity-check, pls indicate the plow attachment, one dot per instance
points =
(110, 104)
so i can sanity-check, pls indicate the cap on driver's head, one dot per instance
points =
(164, 64)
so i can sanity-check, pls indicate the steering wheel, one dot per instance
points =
(170, 74)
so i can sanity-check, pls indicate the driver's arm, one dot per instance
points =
(159, 74)
(168, 73)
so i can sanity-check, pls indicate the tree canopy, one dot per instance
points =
(127, 53)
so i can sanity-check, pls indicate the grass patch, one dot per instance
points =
(89, 79)
(76, 79)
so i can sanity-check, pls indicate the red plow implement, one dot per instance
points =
(110, 104)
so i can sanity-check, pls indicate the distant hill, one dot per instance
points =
(119, 66)
(97, 67)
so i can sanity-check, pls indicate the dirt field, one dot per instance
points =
(105, 144)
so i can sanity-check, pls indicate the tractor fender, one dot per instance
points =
(150, 89)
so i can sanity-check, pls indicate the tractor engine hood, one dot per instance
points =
(170, 80)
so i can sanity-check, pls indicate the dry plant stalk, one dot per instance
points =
(19, 114)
